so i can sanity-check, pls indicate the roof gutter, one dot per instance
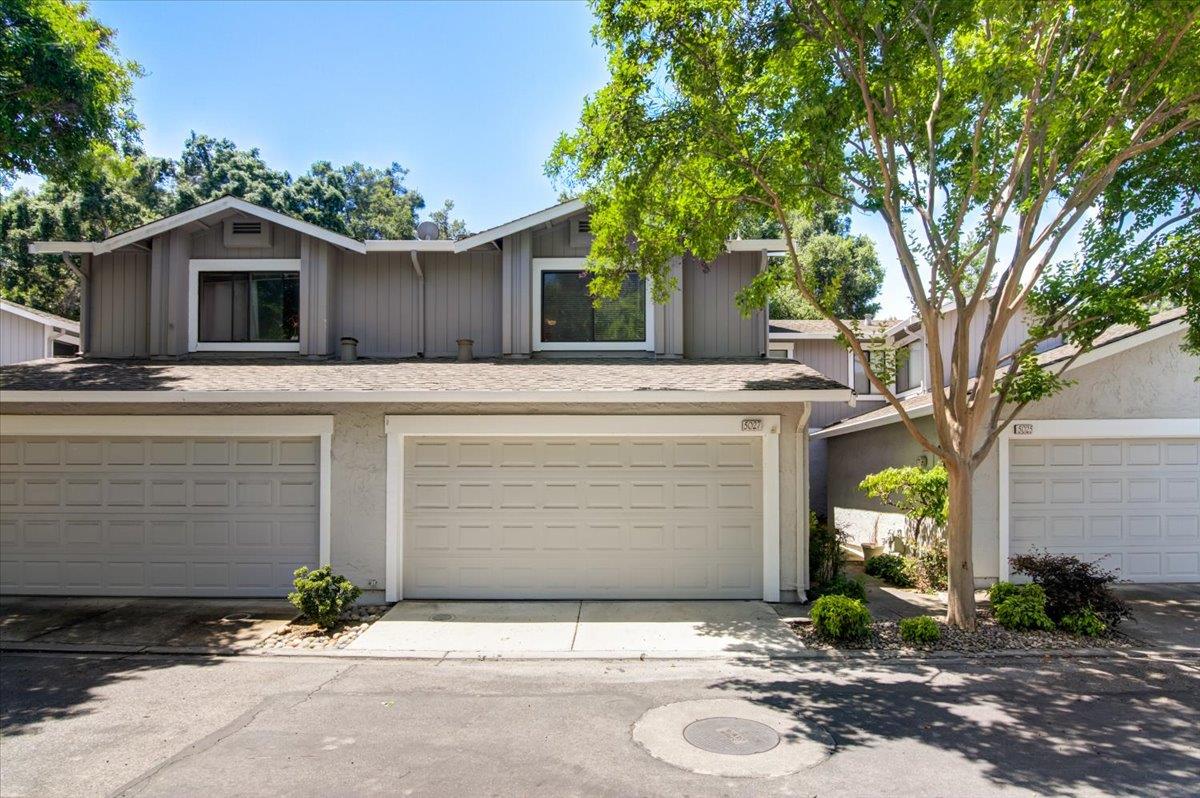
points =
(423, 397)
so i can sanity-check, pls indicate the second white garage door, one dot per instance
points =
(541, 517)
(1131, 504)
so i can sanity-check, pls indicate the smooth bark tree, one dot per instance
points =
(1033, 157)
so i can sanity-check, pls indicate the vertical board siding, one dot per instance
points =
(119, 304)
(376, 303)
(555, 241)
(516, 327)
(713, 326)
(828, 357)
(462, 300)
(21, 339)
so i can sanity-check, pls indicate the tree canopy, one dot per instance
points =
(983, 134)
(65, 92)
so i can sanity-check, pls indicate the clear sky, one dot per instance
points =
(469, 96)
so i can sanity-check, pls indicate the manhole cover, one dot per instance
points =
(441, 616)
(236, 616)
(736, 736)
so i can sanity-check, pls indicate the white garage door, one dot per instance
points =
(1135, 503)
(131, 516)
(634, 517)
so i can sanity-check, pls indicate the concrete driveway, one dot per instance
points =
(579, 628)
(139, 624)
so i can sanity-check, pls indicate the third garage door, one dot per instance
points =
(559, 517)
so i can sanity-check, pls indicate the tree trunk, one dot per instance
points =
(961, 577)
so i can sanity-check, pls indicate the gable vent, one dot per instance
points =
(247, 232)
(581, 232)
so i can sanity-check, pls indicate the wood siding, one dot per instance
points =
(712, 324)
(210, 243)
(516, 323)
(21, 339)
(376, 303)
(462, 300)
(118, 304)
(555, 241)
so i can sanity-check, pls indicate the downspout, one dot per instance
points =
(420, 303)
(85, 336)
(802, 502)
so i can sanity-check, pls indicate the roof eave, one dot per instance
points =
(551, 214)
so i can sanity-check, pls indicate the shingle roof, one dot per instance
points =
(1048, 358)
(296, 375)
(40, 315)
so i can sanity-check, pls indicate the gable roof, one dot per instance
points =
(551, 214)
(228, 202)
(40, 316)
(799, 329)
(1113, 341)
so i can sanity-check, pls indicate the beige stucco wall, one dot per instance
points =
(1154, 380)
(359, 461)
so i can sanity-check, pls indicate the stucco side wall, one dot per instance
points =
(1155, 380)
(359, 462)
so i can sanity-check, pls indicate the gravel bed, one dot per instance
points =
(990, 636)
(302, 634)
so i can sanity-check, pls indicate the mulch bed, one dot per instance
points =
(990, 636)
(300, 633)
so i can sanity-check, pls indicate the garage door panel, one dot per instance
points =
(573, 517)
(1134, 505)
(158, 516)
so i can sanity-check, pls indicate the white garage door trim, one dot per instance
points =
(1097, 428)
(397, 428)
(200, 426)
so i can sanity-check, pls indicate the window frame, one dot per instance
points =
(540, 265)
(196, 266)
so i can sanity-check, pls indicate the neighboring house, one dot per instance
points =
(207, 443)
(28, 334)
(1108, 468)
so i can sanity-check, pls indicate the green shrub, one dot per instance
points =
(920, 631)
(824, 551)
(841, 619)
(891, 568)
(998, 592)
(929, 570)
(322, 596)
(1024, 609)
(842, 586)
(1072, 585)
(1085, 622)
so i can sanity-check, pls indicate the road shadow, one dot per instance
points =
(1049, 726)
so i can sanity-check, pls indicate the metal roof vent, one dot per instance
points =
(581, 231)
(246, 231)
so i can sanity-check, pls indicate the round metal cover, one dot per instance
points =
(441, 616)
(236, 616)
(736, 736)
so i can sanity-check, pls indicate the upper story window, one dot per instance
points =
(910, 367)
(907, 361)
(244, 305)
(567, 318)
(862, 385)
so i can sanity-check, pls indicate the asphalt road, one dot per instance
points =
(76, 725)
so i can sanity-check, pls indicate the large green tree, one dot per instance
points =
(64, 89)
(982, 133)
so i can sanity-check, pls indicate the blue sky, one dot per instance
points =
(469, 96)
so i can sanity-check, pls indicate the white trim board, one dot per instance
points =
(486, 397)
(534, 219)
(298, 426)
(540, 265)
(41, 317)
(1092, 428)
(397, 428)
(198, 265)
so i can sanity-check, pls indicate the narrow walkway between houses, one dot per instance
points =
(592, 628)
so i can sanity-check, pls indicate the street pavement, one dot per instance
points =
(250, 725)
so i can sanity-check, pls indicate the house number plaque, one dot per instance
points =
(752, 425)
(1022, 429)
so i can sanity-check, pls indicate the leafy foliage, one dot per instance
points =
(891, 568)
(824, 551)
(999, 591)
(322, 596)
(841, 619)
(1072, 586)
(928, 570)
(1024, 610)
(65, 92)
(919, 493)
(920, 631)
(1085, 622)
(842, 585)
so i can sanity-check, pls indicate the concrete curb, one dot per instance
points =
(809, 655)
